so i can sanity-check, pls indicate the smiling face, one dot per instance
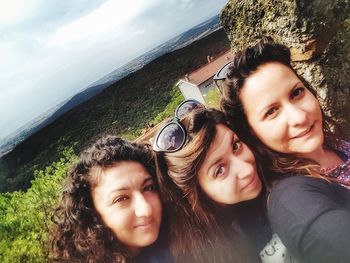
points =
(228, 174)
(282, 112)
(128, 203)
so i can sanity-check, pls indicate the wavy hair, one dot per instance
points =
(79, 234)
(198, 227)
(243, 65)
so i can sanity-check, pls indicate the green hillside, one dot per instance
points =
(123, 109)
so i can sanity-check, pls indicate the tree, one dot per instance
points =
(25, 217)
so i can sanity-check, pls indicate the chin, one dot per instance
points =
(311, 146)
(255, 193)
(149, 240)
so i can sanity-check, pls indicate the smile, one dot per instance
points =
(304, 133)
(252, 182)
(145, 224)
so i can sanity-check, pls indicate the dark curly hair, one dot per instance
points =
(79, 235)
(243, 65)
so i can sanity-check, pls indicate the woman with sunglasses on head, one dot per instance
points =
(279, 114)
(213, 196)
(110, 210)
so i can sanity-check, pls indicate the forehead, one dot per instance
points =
(223, 137)
(269, 76)
(271, 82)
(122, 174)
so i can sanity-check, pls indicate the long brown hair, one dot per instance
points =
(243, 65)
(198, 228)
(79, 234)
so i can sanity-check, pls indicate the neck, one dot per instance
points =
(134, 251)
(324, 157)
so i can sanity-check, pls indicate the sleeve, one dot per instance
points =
(312, 219)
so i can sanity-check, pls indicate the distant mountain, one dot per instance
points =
(200, 31)
(10, 141)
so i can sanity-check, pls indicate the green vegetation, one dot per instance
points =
(170, 108)
(25, 216)
(212, 100)
(122, 109)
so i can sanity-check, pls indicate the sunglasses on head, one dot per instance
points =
(221, 75)
(172, 137)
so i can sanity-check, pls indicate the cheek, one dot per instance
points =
(317, 111)
(271, 132)
(313, 105)
(214, 190)
(119, 222)
(207, 187)
(259, 129)
(248, 157)
(156, 207)
(225, 194)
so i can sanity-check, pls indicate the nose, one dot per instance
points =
(295, 115)
(142, 206)
(241, 167)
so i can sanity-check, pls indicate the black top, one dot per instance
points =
(251, 216)
(312, 218)
(157, 253)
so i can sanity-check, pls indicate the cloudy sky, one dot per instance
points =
(52, 49)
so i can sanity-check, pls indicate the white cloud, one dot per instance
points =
(186, 4)
(109, 18)
(15, 11)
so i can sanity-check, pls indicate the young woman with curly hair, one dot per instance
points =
(110, 210)
(280, 116)
(212, 192)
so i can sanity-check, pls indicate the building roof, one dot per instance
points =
(206, 72)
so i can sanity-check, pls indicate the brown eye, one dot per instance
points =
(219, 171)
(271, 112)
(297, 92)
(150, 187)
(236, 145)
(121, 199)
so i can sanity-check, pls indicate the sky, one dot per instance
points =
(53, 49)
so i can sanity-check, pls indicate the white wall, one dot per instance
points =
(190, 91)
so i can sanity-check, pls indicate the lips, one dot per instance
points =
(305, 132)
(251, 182)
(144, 224)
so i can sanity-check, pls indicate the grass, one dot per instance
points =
(212, 100)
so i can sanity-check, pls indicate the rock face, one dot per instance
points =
(318, 33)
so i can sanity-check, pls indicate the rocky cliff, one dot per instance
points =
(318, 33)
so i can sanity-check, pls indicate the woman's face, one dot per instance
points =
(281, 111)
(228, 174)
(129, 204)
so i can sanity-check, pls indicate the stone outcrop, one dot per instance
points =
(318, 33)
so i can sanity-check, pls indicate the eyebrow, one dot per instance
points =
(149, 178)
